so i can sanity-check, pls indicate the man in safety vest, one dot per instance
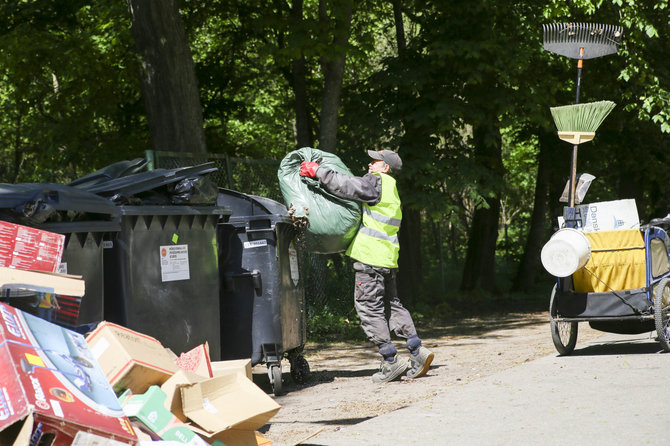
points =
(375, 252)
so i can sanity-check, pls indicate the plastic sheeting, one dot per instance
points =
(332, 221)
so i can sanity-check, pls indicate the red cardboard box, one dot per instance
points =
(51, 385)
(29, 248)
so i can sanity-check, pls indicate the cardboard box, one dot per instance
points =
(130, 360)
(172, 391)
(51, 384)
(29, 248)
(244, 389)
(242, 366)
(604, 216)
(149, 409)
(172, 386)
(227, 402)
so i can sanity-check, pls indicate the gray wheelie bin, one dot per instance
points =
(262, 290)
(83, 256)
(162, 275)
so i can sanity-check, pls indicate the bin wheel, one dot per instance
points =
(564, 334)
(299, 369)
(274, 372)
(661, 310)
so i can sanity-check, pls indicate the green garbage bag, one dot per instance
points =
(331, 222)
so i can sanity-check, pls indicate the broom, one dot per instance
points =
(577, 124)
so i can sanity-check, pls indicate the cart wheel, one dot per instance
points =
(564, 334)
(274, 372)
(299, 369)
(661, 310)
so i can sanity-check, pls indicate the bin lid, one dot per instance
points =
(116, 170)
(146, 181)
(174, 210)
(35, 202)
(246, 205)
(69, 227)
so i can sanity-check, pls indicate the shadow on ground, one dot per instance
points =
(623, 347)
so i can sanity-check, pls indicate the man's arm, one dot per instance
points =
(366, 189)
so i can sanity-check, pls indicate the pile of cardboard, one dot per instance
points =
(114, 386)
(213, 401)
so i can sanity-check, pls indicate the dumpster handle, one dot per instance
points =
(269, 229)
(255, 277)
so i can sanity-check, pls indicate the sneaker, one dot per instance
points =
(390, 370)
(419, 363)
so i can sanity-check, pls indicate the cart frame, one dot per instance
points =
(617, 311)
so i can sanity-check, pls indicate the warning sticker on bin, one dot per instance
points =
(174, 263)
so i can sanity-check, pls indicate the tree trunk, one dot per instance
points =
(410, 273)
(332, 66)
(169, 83)
(480, 258)
(537, 233)
(304, 135)
(401, 41)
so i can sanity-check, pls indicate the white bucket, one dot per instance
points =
(567, 251)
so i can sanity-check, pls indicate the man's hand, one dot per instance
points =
(308, 169)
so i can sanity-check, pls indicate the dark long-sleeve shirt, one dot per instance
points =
(366, 189)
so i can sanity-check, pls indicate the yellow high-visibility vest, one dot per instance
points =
(376, 242)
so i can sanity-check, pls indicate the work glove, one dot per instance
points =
(308, 169)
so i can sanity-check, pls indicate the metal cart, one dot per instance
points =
(624, 311)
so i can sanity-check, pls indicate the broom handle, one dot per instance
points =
(573, 164)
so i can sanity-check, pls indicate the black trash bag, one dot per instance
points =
(196, 190)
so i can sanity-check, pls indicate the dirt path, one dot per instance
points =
(341, 393)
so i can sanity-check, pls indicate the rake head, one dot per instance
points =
(581, 40)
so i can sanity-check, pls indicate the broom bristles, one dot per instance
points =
(585, 117)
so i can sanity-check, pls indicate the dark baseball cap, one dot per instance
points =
(389, 157)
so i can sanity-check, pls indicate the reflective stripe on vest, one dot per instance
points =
(376, 242)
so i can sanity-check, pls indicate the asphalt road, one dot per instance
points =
(611, 391)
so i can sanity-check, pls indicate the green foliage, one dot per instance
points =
(69, 91)
(71, 103)
(326, 326)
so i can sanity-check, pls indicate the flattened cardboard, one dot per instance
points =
(149, 409)
(24, 247)
(130, 360)
(40, 281)
(196, 360)
(242, 438)
(48, 376)
(89, 439)
(227, 402)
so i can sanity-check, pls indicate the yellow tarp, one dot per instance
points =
(617, 259)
